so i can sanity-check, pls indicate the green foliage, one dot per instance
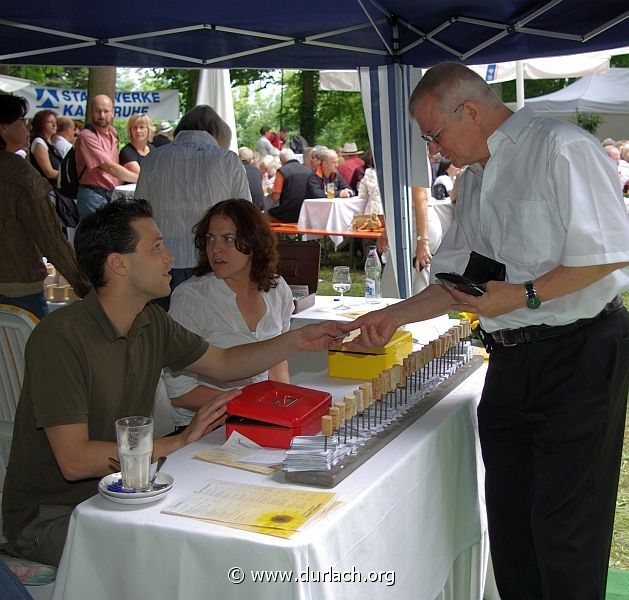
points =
(534, 87)
(64, 77)
(184, 80)
(341, 119)
(253, 110)
(588, 121)
(257, 77)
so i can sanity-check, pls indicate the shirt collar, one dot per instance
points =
(195, 136)
(96, 309)
(221, 286)
(513, 127)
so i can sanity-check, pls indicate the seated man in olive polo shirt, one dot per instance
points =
(98, 360)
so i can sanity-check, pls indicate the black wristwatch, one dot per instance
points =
(532, 299)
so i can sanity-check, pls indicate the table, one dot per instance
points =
(415, 508)
(333, 214)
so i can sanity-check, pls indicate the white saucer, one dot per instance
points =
(135, 497)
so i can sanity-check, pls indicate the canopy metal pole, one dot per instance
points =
(519, 83)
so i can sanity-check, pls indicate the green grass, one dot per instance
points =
(335, 259)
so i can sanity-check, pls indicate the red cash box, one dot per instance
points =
(271, 413)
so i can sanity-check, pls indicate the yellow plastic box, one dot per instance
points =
(348, 363)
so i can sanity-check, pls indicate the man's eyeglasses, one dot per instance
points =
(434, 137)
(24, 120)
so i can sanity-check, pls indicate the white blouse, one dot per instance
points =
(207, 306)
(368, 188)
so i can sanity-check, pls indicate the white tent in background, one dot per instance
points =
(215, 90)
(576, 65)
(606, 94)
(10, 84)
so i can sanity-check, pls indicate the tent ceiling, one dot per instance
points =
(319, 35)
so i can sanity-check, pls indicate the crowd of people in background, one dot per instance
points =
(279, 174)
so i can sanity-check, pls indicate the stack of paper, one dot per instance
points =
(273, 511)
(307, 453)
(236, 452)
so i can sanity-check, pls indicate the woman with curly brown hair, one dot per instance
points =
(235, 297)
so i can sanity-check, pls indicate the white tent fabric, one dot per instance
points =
(606, 93)
(10, 84)
(400, 158)
(574, 65)
(215, 90)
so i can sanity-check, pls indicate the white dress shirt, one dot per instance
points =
(182, 180)
(207, 306)
(61, 144)
(547, 196)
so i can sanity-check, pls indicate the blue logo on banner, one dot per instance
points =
(46, 96)
(491, 73)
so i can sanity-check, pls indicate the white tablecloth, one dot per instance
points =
(413, 508)
(333, 214)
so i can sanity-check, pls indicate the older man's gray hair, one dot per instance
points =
(287, 154)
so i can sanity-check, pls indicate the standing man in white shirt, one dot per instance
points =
(182, 180)
(541, 197)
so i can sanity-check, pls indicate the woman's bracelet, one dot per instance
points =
(421, 238)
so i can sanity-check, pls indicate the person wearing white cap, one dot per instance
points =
(164, 134)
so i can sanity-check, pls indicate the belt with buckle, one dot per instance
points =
(535, 333)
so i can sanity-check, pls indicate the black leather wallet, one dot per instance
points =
(482, 269)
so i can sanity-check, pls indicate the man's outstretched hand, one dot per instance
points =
(376, 329)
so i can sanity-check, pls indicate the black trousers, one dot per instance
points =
(551, 424)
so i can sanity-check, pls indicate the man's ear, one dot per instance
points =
(473, 111)
(116, 263)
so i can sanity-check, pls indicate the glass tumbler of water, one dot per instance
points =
(135, 448)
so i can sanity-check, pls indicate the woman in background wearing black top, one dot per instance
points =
(140, 134)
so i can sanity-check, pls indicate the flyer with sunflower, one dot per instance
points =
(271, 510)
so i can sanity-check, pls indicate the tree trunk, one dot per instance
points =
(193, 79)
(102, 80)
(307, 125)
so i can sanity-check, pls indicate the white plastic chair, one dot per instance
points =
(163, 422)
(16, 325)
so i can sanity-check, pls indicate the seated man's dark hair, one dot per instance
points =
(12, 108)
(108, 230)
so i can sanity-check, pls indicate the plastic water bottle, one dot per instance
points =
(373, 271)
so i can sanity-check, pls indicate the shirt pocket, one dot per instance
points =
(526, 231)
